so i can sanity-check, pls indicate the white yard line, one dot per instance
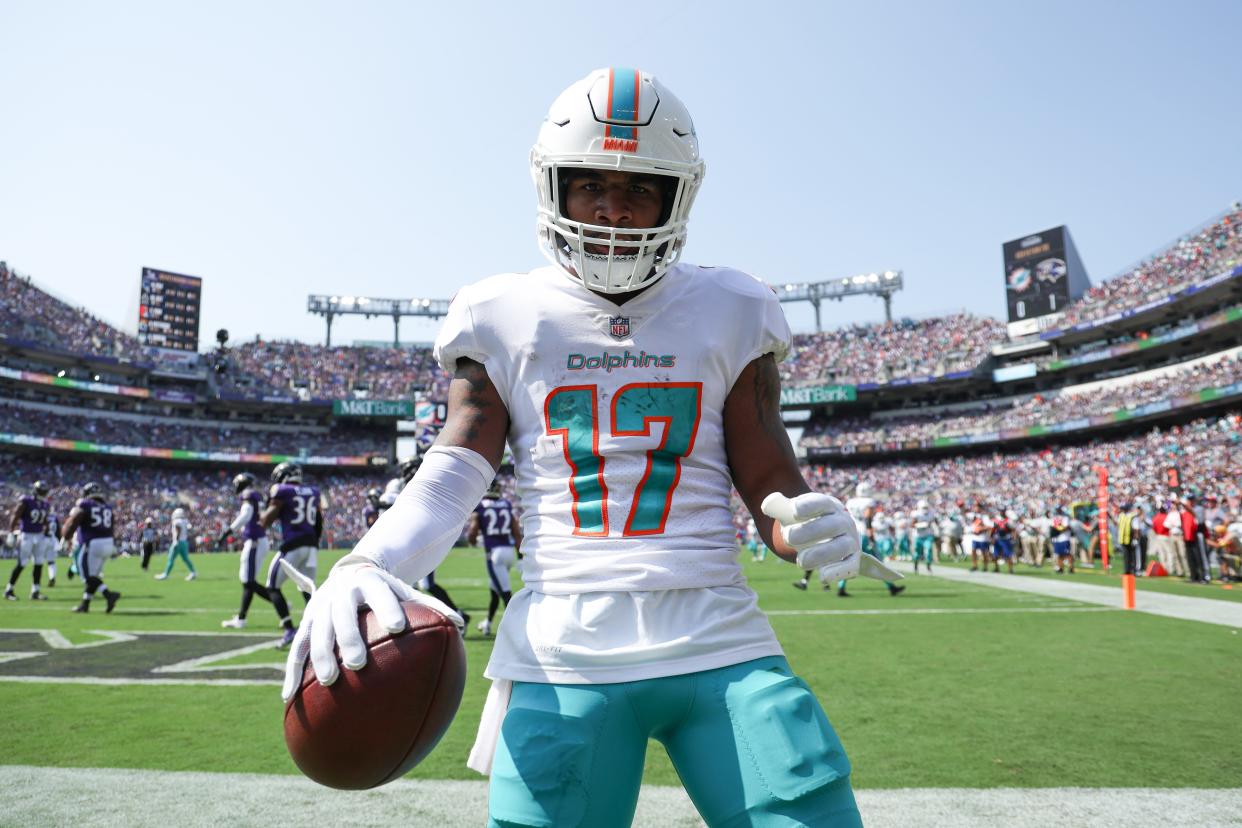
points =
(942, 611)
(106, 797)
(1185, 607)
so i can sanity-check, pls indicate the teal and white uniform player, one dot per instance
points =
(862, 508)
(924, 534)
(629, 420)
(180, 547)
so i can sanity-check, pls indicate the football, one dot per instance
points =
(373, 725)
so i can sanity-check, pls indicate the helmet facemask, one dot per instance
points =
(635, 257)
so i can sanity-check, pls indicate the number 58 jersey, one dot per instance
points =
(616, 419)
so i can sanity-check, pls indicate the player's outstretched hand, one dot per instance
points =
(824, 536)
(331, 619)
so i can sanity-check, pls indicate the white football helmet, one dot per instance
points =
(626, 120)
(178, 514)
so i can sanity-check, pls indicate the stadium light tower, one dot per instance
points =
(329, 307)
(883, 284)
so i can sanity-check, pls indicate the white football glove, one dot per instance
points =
(825, 537)
(331, 618)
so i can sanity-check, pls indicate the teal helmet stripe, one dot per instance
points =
(622, 102)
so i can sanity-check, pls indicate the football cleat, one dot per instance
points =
(191, 576)
(84, 606)
(161, 577)
(9, 596)
(485, 627)
(800, 585)
(286, 639)
(51, 582)
(111, 598)
(234, 623)
(37, 596)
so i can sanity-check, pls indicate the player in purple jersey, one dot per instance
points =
(249, 527)
(30, 518)
(299, 508)
(493, 518)
(371, 512)
(53, 536)
(91, 520)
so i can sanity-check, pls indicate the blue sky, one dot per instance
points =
(280, 149)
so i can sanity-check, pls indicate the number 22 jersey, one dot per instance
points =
(616, 431)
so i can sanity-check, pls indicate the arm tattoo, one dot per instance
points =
(475, 403)
(768, 397)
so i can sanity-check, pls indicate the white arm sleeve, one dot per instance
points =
(411, 538)
(243, 517)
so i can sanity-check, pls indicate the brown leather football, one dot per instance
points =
(373, 725)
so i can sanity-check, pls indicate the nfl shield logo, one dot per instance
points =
(619, 326)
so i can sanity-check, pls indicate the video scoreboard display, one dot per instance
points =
(1043, 274)
(168, 308)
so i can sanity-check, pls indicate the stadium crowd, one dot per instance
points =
(1023, 496)
(26, 312)
(336, 373)
(1207, 253)
(1205, 452)
(1022, 412)
(341, 440)
(884, 352)
(140, 491)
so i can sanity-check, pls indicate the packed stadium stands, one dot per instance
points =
(883, 352)
(1206, 452)
(31, 314)
(341, 440)
(1206, 253)
(1024, 412)
(315, 371)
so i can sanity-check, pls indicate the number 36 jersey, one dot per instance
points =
(617, 439)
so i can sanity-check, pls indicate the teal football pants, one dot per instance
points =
(179, 549)
(750, 742)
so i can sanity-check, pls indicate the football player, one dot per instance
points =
(254, 545)
(180, 546)
(30, 518)
(91, 521)
(371, 511)
(493, 518)
(299, 508)
(924, 534)
(628, 419)
(861, 507)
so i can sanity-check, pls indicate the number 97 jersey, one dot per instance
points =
(616, 418)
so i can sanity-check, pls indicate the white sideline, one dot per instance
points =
(1185, 607)
(111, 796)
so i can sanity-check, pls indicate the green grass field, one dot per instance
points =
(948, 685)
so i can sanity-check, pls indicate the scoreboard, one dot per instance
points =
(1043, 274)
(168, 309)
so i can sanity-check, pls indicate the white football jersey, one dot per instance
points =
(882, 525)
(857, 507)
(616, 431)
